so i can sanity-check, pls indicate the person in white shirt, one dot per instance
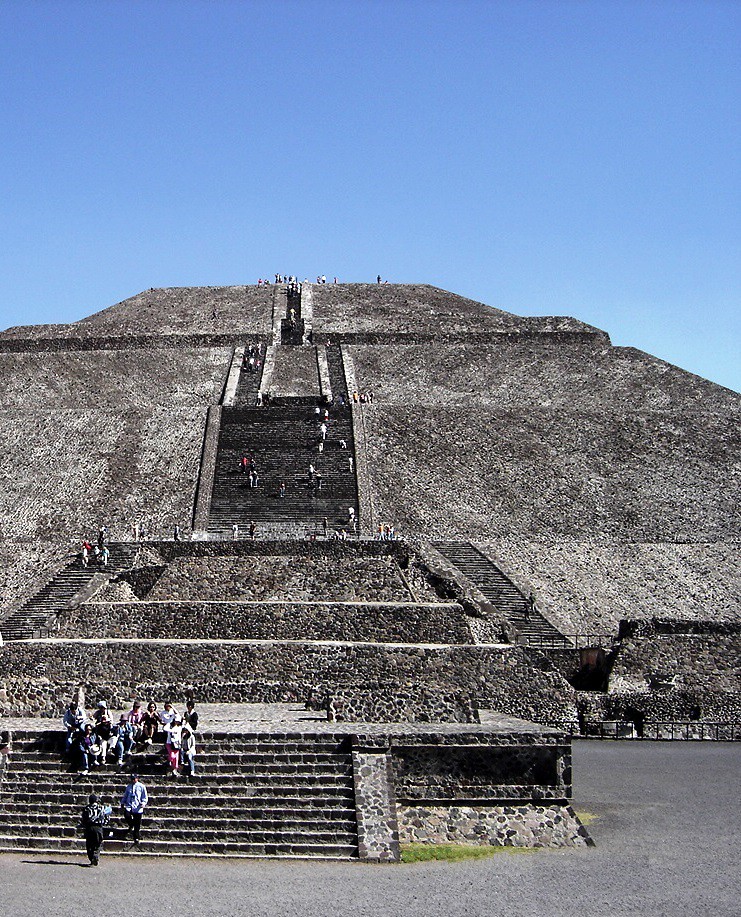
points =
(174, 737)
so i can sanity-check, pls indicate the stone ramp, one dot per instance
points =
(501, 592)
(260, 794)
(35, 614)
(283, 440)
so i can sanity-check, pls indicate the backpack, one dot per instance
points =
(95, 814)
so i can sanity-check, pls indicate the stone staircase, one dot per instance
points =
(249, 381)
(36, 613)
(292, 333)
(282, 439)
(282, 795)
(501, 592)
(337, 378)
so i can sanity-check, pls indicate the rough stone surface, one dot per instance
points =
(378, 832)
(505, 826)
(171, 310)
(354, 622)
(308, 578)
(500, 678)
(371, 311)
(295, 374)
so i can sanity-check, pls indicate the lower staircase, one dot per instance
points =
(282, 440)
(36, 613)
(255, 795)
(502, 593)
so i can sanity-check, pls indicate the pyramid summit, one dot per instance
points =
(386, 502)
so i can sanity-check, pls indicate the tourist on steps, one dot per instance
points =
(150, 724)
(74, 722)
(124, 736)
(95, 818)
(188, 751)
(87, 749)
(172, 746)
(133, 803)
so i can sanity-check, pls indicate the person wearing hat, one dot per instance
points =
(133, 803)
(95, 817)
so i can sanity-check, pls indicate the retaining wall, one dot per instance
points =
(349, 622)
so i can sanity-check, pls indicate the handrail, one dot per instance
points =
(664, 730)
(578, 641)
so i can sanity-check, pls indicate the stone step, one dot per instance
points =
(187, 832)
(208, 806)
(283, 441)
(11, 844)
(43, 761)
(334, 819)
(41, 778)
(499, 590)
(296, 805)
(183, 787)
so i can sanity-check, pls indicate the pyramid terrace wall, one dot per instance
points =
(311, 577)
(592, 585)
(98, 436)
(489, 473)
(500, 678)
(350, 622)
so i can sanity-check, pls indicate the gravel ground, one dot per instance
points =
(666, 828)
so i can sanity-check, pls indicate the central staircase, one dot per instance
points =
(501, 592)
(256, 795)
(36, 613)
(282, 439)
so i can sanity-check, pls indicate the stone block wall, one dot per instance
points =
(317, 576)
(349, 622)
(37, 677)
(382, 703)
(525, 825)
(478, 772)
(378, 833)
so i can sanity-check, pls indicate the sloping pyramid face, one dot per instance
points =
(600, 478)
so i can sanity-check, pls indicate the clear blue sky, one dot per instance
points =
(544, 157)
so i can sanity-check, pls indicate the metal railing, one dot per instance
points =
(667, 730)
(569, 641)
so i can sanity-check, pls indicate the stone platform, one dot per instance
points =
(358, 789)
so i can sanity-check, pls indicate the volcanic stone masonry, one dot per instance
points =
(459, 534)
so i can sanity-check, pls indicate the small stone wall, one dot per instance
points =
(296, 374)
(350, 622)
(483, 772)
(382, 704)
(526, 825)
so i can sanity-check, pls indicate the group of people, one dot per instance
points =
(252, 359)
(96, 817)
(91, 742)
(97, 553)
(385, 532)
(93, 553)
